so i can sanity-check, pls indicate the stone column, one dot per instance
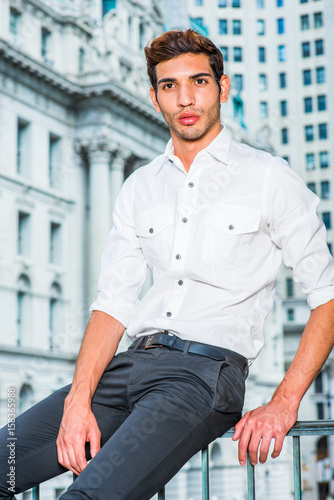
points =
(119, 158)
(97, 151)
(330, 402)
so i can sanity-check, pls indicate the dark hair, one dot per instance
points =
(175, 43)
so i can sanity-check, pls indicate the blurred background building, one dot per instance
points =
(76, 120)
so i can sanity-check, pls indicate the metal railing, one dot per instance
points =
(306, 428)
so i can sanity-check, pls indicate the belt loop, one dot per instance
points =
(135, 344)
(186, 348)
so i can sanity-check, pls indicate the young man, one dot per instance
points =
(211, 219)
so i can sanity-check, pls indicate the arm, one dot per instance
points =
(274, 420)
(78, 424)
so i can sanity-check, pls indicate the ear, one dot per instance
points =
(224, 88)
(154, 99)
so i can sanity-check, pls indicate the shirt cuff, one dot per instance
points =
(109, 304)
(320, 297)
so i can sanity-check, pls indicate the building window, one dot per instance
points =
(303, 1)
(223, 29)
(325, 190)
(326, 218)
(55, 168)
(224, 51)
(263, 82)
(307, 77)
(284, 108)
(319, 47)
(321, 75)
(322, 106)
(262, 54)
(14, 23)
(280, 26)
(236, 27)
(318, 384)
(318, 19)
(222, 3)
(237, 54)
(261, 27)
(330, 248)
(310, 161)
(289, 287)
(23, 234)
(108, 5)
(304, 22)
(279, 3)
(308, 105)
(236, 3)
(199, 3)
(312, 187)
(291, 314)
(260, 4)
(306, 49)
(54, 315)
(309, 133)
(23, 147)
(282, 80)
(23, 310)
(322, 130)
(46, 45)
(284, 136)
(238, 83)
(320, 411)
(55, 243)
(263, 109)
(324, 159)
(281, 53)
(81, 60)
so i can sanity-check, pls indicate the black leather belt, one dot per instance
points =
(162, 339)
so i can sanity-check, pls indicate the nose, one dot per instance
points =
(185, 96)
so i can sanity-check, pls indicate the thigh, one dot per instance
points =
(179, 413)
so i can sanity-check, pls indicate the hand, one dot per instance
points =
(258, 427)
(77, 427)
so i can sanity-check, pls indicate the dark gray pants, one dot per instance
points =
(155, 409)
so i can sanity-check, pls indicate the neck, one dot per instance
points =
(186, 150)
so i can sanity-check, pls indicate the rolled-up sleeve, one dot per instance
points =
(301, 235)
(123, 267)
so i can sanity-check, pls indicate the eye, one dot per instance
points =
(200, 81)
(168, 86)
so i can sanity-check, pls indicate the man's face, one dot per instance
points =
(188, 96)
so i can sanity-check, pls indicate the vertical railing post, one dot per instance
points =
(161, 494)
(205, 474)
(296, 468)
(35, 493)
(250, 479)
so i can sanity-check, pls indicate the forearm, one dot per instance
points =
(315, 345)
(100, 342)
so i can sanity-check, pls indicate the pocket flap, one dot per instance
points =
(149, 223)
(234, 219)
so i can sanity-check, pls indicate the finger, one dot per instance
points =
(95, 443)
(239, 427)
(253, 447)
(278, 446)
(264, 448)
(243, 445)
(74, 454)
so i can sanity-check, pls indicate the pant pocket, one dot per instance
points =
(230, 389)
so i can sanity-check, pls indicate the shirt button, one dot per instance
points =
(168, 314)
(170, 161)
(180, 282)
(151, 230)
(177, 256)
(231, 227)
(184, 219)
(191, 184)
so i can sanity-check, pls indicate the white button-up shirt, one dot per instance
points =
(214, 239)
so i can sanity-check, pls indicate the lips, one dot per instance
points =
(188, 118)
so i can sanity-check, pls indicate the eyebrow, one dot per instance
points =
(191, 77)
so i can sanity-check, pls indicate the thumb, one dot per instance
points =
(95, 442)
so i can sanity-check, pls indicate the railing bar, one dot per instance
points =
(161, 494)
(205, 474)
(35, 493)
(250, 480)
(296, 468)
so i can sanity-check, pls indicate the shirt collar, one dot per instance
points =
(219, 148)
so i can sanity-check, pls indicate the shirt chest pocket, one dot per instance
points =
(154, 228)
(228, 233)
